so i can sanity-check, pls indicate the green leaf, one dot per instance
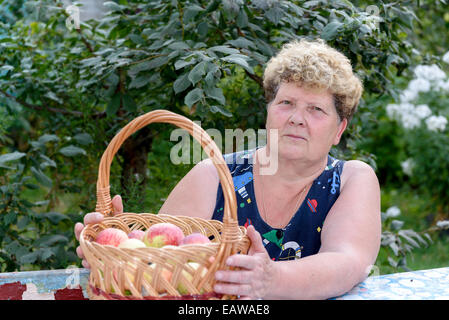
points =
(242, 19)
(129, 104)
(83, 138)
(224, 49)
(275, 15)
(193, 96)
(157, 62)
(50, 240)
(182, 83)
(216, 94)
(183, 63)
(139, 81)
(14, 156)
(395, 248)
(9, 218)
(47, 162)
(239, 60)
(23, 222)
(330, 31)
(154, 63)
(203, 28)
(41, 177)
(197, 72)
(89, 62)
(55, 217)
(407, 235)
(29, 258)
(396, 224)
(220, 109)
(191, 12)
(392, 262)
(179, 45)
(48, 138)
(112, 6)
(242, 43)
(45, 253)
(137, 39)
(72, 151)
(113, 105)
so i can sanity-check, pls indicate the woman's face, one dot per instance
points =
(306, 121)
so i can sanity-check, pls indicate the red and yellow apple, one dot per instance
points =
(111, 236)
(195, 238)
(162, 234)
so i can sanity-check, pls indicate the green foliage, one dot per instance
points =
(401, 246)
(31, 232)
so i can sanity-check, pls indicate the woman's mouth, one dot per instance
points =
(295, 137)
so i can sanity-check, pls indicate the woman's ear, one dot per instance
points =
(341, 128)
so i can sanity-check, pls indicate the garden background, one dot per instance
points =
(66, 89)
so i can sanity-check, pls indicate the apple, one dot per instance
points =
(111, 236)
(181, 287)
(166, 274)
(136, 234)
(132, 244)
(195, 238)
(162, 234)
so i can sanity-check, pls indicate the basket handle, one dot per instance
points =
(104, 203)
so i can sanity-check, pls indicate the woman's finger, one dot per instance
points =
(256, 240)
(79, 252)
(233, 289)
(242, 261)
(236, 276)
(85, 264)
(93, 217)
(117, 204)
(78, 228)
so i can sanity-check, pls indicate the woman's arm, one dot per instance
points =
(350, 241)
(195, 194)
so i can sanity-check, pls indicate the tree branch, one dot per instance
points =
(79, 114)
(256, 78)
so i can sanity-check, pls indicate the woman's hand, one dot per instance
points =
(258, 273)
(94, 217)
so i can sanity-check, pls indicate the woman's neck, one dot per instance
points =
(289, 172)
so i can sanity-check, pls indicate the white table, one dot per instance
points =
(70, 284)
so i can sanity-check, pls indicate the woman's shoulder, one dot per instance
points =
(357, 165)
(356, 171)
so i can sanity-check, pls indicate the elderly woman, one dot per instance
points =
(314, 223)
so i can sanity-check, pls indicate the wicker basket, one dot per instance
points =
(170, 272)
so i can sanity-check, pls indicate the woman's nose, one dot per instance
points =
(297, 117)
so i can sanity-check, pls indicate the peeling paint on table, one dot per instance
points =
(64, 284)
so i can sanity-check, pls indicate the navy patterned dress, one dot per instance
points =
(302, 235)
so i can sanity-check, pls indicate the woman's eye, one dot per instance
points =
(315, 108)
(285, 102)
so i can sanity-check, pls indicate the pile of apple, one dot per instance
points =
(157, 236)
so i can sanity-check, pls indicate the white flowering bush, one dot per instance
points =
(422, 112)
(429, 81)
